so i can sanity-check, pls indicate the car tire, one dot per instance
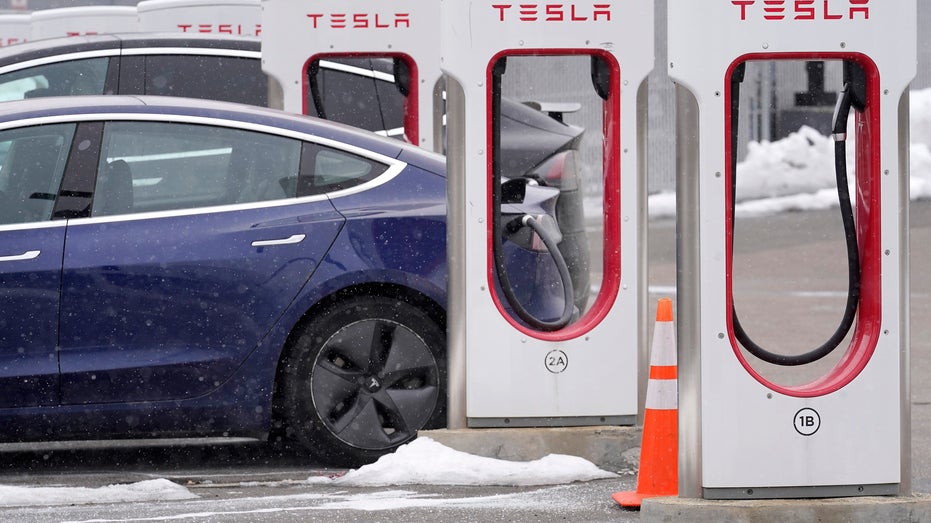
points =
(363, 377)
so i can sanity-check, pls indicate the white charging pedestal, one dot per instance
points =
(846, 432)
(585, 373)
(85, 20)
(14, 28)
(217, 17)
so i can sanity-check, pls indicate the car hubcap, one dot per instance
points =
(375, 383)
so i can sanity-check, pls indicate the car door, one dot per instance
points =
(31, 243)
(195, 246)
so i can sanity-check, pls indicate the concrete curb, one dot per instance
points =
(616, 449)
(914, 508)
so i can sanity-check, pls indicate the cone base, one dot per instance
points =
(634, 499)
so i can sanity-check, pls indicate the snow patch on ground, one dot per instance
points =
(150, 490)
(426, 462)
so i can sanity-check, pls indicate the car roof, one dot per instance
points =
(67, 45)
(87, 107)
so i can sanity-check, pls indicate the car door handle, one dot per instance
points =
(28, 255)
(294, 238)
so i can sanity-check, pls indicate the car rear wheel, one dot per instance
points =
(363, 377)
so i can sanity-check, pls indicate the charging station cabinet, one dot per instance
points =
(845, 431)
(301, 39)
(84, 20)
(518, 371)
(219, 17)
(14, 28)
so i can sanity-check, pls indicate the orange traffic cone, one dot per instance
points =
(659, 449)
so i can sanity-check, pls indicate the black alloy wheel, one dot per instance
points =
(363, 378)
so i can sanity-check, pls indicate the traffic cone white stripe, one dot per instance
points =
(663, 387)
(662, 395)
(663, 349)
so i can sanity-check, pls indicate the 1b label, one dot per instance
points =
(807, 422)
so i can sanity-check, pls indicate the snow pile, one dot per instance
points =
(150, 490)
(802, 162)
(797, 172)
(426, 462)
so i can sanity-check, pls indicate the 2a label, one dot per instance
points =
(556, 361)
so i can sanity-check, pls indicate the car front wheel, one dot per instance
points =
(363, 377)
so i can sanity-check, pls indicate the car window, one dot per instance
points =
(72, 77)
(224, 78)
(156, 166)
(347, 95)
(325, 169)
(33, 162)
(392, 106)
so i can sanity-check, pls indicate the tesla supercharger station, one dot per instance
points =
(85, 20)
(299, 36)
(14, 29)
(518, 373)
(219, 17)
(845, 431)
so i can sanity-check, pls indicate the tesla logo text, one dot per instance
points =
(361, 20)
(227, 29)
(553, 12)
(804, 9)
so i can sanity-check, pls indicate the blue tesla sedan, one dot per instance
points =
(176, 267)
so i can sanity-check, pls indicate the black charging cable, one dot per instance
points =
(841, 111)
(514, 225)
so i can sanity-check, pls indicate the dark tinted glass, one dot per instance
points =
(349, 95)
(392, 107)
(207, 77)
